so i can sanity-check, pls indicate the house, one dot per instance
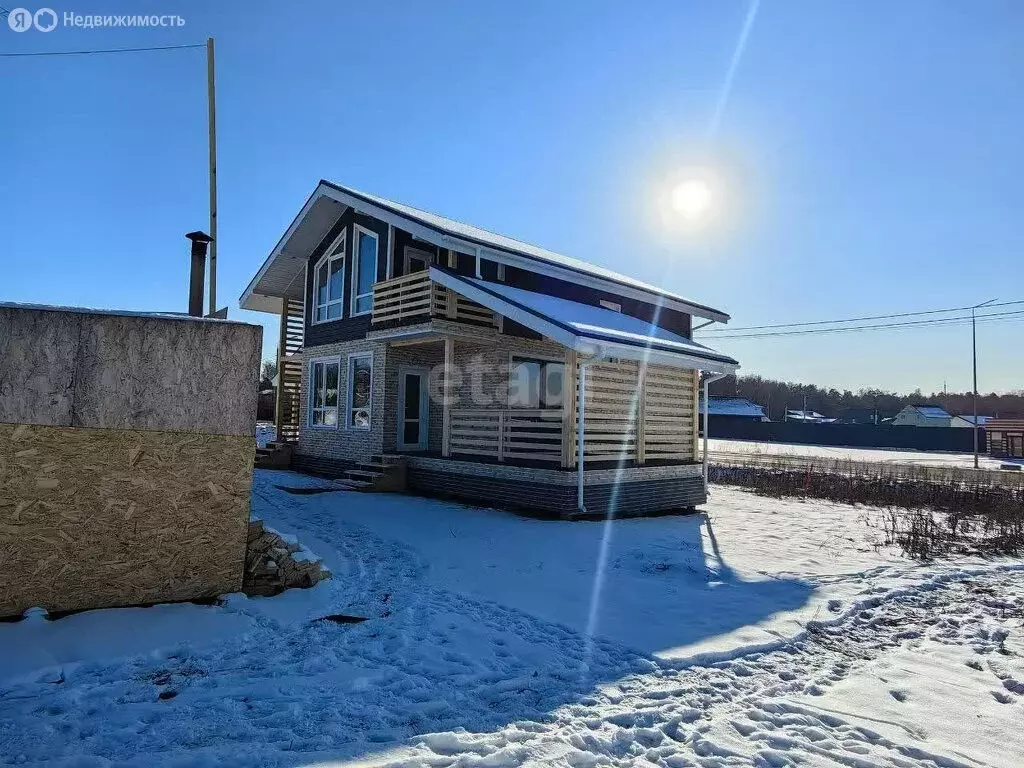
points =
(731, 410)
(807, 417)
(866, 416)
(922, 416)
(492, 370)
(1005, 437)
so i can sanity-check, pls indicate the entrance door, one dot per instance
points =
(1016, 446)
(412, 409)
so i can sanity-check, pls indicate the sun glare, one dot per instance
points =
(692, 199)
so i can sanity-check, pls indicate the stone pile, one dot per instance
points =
(274, 563)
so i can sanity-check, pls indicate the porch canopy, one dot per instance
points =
(594, 332)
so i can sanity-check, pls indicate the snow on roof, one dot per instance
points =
(116, 312)
(969, 417)
(733, 406)
(582, 321)
(931, 411)
(502, 242)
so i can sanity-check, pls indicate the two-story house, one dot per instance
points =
(503, 373)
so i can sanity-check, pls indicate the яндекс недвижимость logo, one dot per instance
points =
(22, 19)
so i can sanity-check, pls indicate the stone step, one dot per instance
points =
(363, 475)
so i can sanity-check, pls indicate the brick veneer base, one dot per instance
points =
(633, 499)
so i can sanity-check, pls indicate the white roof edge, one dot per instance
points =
(590, 347)
(448, 239)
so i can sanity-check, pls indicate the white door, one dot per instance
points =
(413, 409)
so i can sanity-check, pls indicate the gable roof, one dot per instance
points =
(733, 406)
(931, 411)
(588, 329)
(447, 233)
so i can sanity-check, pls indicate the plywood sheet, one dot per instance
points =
(37, 354)
(141, 373)
(96, 518)
(96, 369)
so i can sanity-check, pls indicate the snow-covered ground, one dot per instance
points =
(872, 455)
(266, 432)
(763, 632)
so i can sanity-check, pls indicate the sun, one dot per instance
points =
(692, 199)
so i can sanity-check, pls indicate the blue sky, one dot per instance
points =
(870, 155)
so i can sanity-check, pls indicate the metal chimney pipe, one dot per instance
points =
(197, 276)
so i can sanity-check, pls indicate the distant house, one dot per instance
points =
(967, 420)
(732, 409)
(1005, 437)
(922, 416)
(808, 417)
(866, 416)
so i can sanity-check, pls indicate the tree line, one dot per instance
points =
(776, 396)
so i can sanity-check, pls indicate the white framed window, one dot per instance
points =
(614, 306)
(359, 403)
(324, 378)
(535, 383)
(329, 283)
(364, 269)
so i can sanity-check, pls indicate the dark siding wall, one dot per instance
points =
(345, 329)
(402, 240)
(669, 319)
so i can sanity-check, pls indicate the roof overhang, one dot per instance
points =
(279, 275)
(590, 340)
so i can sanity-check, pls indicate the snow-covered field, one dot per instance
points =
(871, 455)
(763, 632)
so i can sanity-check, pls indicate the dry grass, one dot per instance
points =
(929, 511)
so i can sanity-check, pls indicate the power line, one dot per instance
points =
(104, 50)
(891, 316)
(934, 322)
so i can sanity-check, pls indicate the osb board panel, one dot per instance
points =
(94, 518)
(92, 369)
(37, 353)
(166, 374)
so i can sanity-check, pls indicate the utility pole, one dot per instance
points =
(211, 102)
(974, 365)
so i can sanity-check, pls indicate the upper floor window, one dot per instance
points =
(364, 270)
(328, 283)
(535, 383)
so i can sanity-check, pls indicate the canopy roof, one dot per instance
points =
(592, 331)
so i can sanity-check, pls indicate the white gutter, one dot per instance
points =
(707, 381)
(580, 452)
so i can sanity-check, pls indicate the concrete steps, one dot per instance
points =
(382, 474)
(275, 456)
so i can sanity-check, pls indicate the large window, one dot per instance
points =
(328, 283)
(365, 275)
(535, 383)
(323, 393)
(360, 390)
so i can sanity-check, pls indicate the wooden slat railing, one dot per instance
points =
(416, 298)
(508, 434)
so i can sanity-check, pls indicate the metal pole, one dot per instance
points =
(974, 364)
(211, 99)
(707, 383)
(580, 410)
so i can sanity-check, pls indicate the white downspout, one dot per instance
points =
(707, 382)
(580, 395)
